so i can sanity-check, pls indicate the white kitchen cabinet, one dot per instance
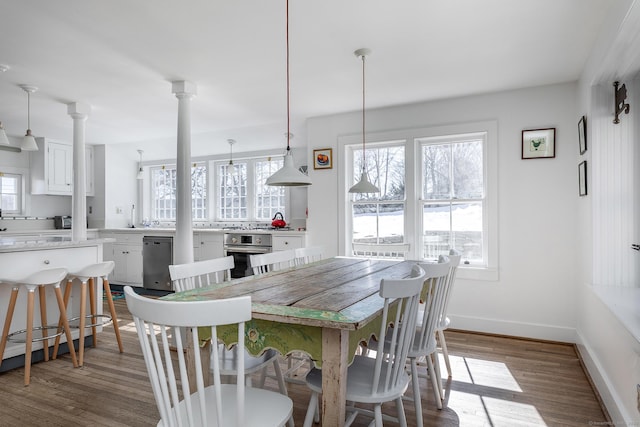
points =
(282, 243)
(128, 260)
(52, 168)
(207, 246)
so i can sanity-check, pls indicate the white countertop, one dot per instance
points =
(166, 230)
(33, 243)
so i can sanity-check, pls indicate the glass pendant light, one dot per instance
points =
(140, 170)
(288, 175)
(29, 142)
(3, 136)
(364, 185)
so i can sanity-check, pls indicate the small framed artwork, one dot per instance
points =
(582, 134)
(539, 143)
(582, 178)
(322, 158)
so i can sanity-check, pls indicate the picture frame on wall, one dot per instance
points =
(539, 143)
(582, 178)
(323, 158)
(582, 134)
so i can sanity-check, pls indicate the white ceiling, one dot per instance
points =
(119, 56)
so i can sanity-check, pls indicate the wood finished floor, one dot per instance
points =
(497, 381)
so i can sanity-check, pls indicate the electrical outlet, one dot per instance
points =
(119, 209)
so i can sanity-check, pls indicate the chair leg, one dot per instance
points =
(311, 410)
(94, 311)
(377, 411)
(445, 351)
(434, 382)
(417, 400)
(67, 295)
(83, 319)
(402, 418)
(43, 322)
(7, 321)
(112, 311)
(65, 325)
(29, 340)
(436, 364)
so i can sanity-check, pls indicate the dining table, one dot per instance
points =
(324, 309)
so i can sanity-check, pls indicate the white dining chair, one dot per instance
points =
(383, 378)
(204, 273)
(309, 254)
(272, 261)
(381, 250)
(220, 405)
(454, 261)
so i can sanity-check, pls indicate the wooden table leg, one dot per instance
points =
(335, 346)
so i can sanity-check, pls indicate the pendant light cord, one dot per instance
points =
(288, 91)
(28, 110)
(363, 120)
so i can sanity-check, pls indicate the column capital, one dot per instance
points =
(78, 110)
(183, 88)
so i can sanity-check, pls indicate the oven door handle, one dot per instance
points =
(247, 250)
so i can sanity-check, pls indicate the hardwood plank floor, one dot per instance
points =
(497, 381)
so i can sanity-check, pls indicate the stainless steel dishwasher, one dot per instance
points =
(157, 255)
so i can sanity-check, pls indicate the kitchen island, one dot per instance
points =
(24, 255)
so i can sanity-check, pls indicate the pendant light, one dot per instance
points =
(29, 142)
(140, 170)
(3, 136)
(231, 142)
(288, 175)
(363, 186)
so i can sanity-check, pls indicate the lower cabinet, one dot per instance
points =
(283, 243)
(208, 246)
(128, 259)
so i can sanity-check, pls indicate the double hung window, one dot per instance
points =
(163, 192)
(10, 193)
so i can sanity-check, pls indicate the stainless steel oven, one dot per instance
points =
(240, 246)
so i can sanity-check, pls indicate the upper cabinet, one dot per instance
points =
(52, 168)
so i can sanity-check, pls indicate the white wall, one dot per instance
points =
(537, 199)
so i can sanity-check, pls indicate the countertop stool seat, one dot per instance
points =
(87, 278)
(38, 280)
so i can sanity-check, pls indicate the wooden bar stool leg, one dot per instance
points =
(83, 314)
(112, 310)
(92, 304)
(65, 324)
(7, 321)
(43, 322)
(67, 294)
(27, 355)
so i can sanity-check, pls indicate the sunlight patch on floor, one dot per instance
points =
(481, 372)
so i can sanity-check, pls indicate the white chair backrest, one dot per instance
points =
(454, 261)
(407, 293)
(381, 250)
(202, 273)
(155, 320)
(432, 294)
(272, 261)
(310, 254)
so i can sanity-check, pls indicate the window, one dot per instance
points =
(11, 193)
(438, 190)
(163, 182)
(379, 217)
(452, 196)
(242, 194)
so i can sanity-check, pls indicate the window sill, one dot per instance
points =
(476, 273)
(623, 303)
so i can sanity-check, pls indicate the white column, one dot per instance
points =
(79, 113)
(183, 243)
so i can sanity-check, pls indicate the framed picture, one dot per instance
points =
(582, 134)
(582, 178)
(323, 158)
(539, 143)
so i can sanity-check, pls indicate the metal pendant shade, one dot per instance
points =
(3, 136)
(288, 175)
(364, 185)
(28, 141)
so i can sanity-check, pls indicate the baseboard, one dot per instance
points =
(602, 383)
(516, 329)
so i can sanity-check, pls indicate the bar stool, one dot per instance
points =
(40, 279)
(87, 276)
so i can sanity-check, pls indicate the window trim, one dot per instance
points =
(413, 221)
